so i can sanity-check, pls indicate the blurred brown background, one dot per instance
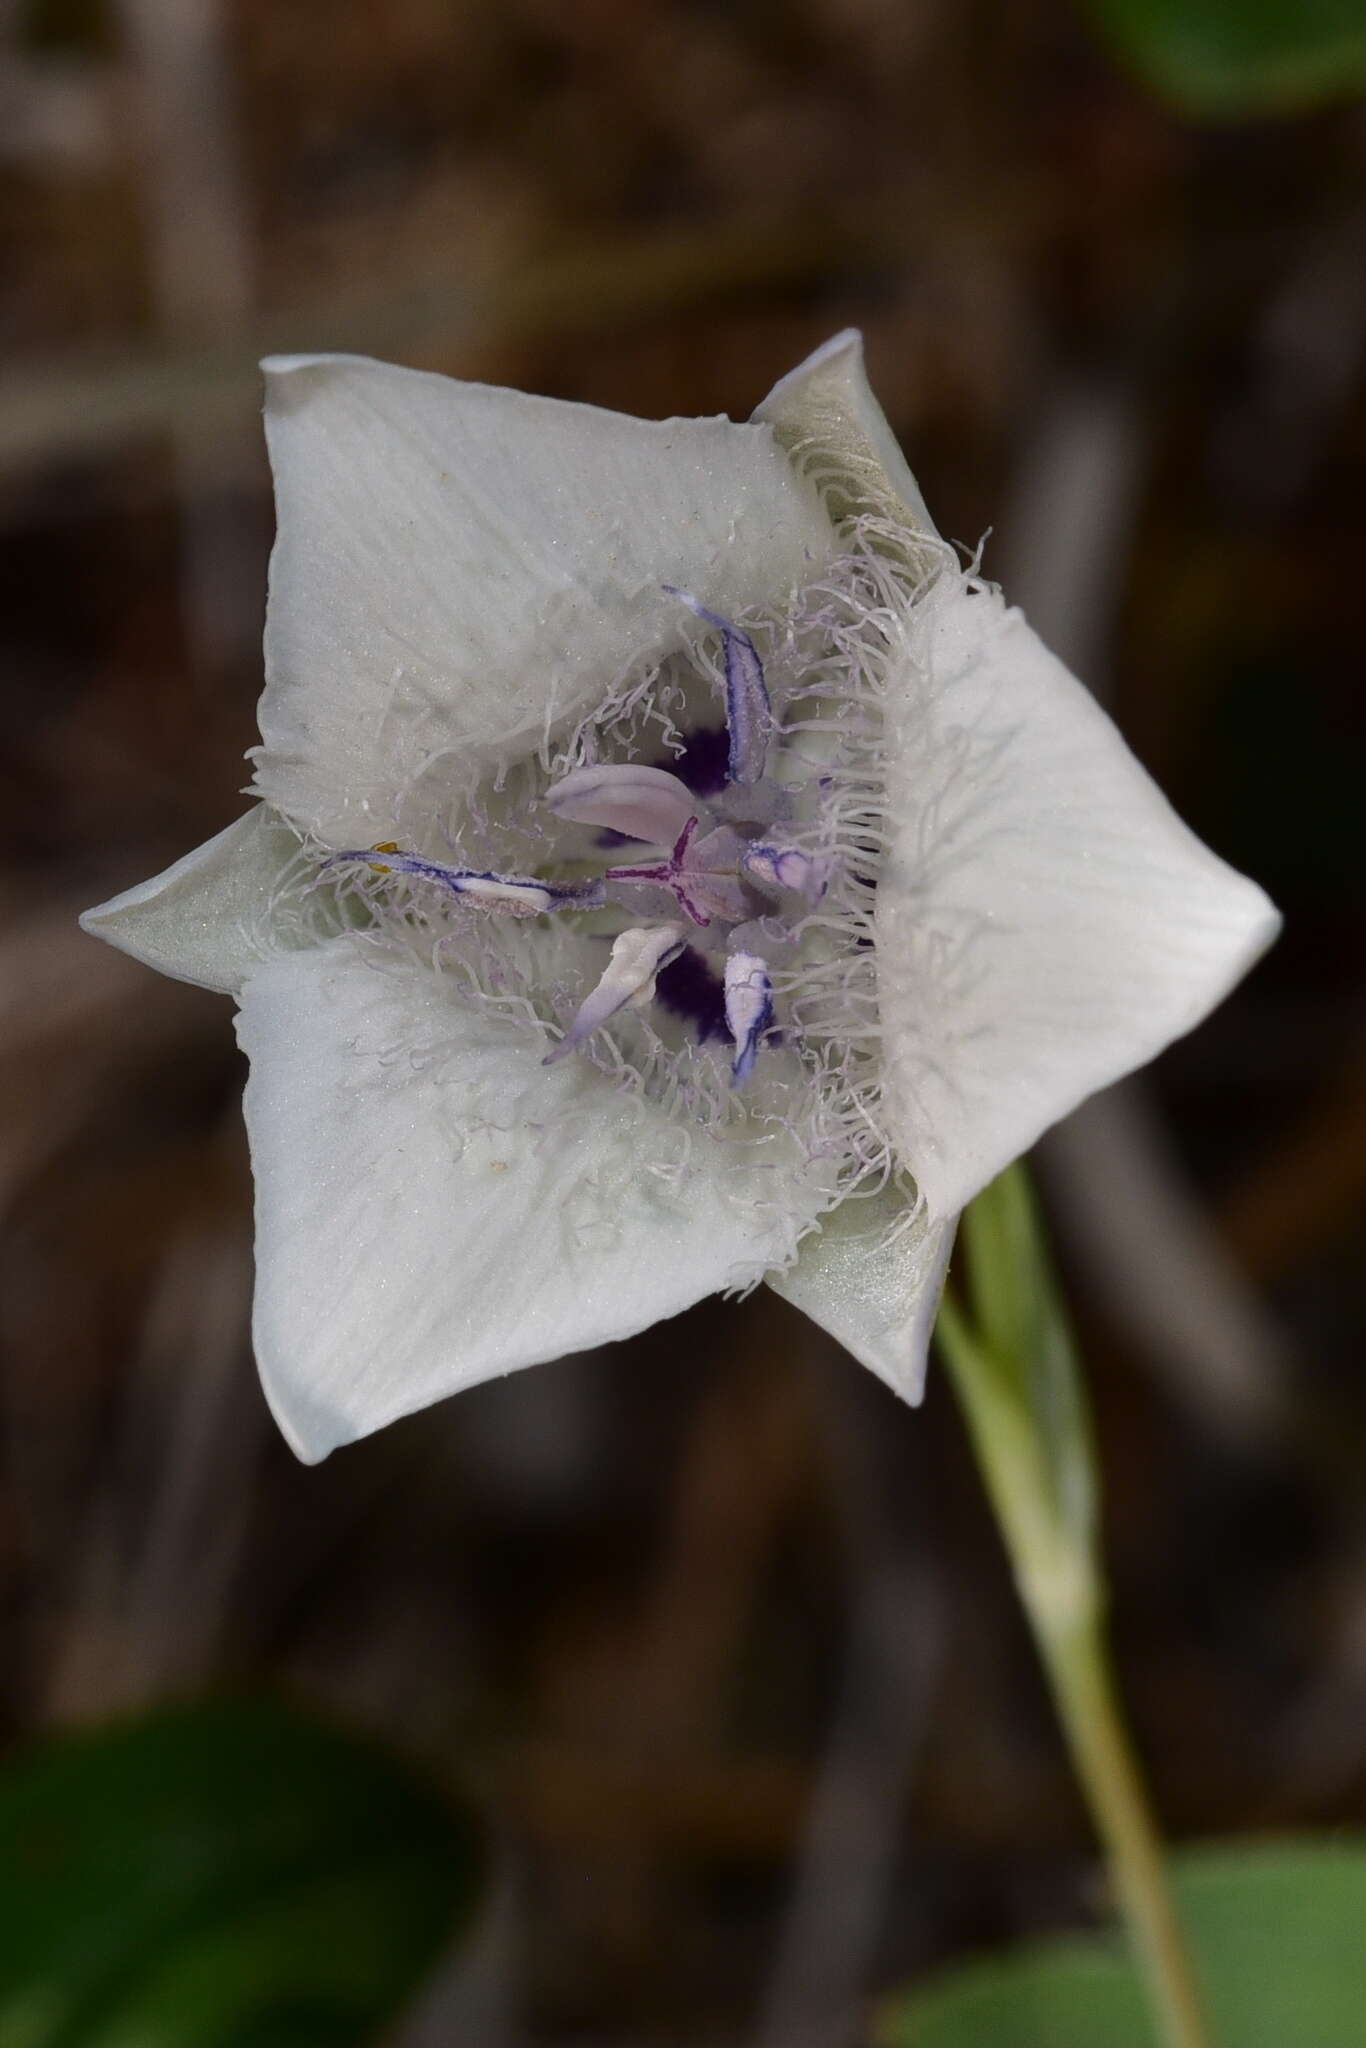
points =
(721, 1635)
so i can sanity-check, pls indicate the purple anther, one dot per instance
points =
(629, 978)
(749, 715)
(749, 1009)
(627, 797)
(785, 867)
(519, 895)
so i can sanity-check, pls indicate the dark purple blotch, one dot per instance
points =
(704, 764)
(689, 989)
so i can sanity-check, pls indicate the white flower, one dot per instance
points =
(892, 896)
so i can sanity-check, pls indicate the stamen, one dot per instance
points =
(644, 803)
(636, 958)
(749, 1009)
(749, 715)
(520, 895)
(785, 867)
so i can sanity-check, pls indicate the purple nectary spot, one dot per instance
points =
(688, 988)
(704, 764)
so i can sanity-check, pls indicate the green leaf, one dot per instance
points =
(1241, 57)
(1277, 1936)
(231, 1875)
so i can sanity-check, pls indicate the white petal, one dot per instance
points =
(207, 919)
(825, 415)
(460, 569)
(435, 1207)
(1045, 922)
(878, 1295)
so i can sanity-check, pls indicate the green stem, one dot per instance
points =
(1055, 1570)
(1083, 1686)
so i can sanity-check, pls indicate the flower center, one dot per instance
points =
(715, 893)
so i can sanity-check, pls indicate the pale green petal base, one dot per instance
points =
(209, 918)
(826, 417)
(876, 1297)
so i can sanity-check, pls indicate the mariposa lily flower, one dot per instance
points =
(670, 869)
